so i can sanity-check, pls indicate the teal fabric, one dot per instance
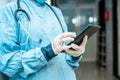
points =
(41, 1)
(27, 62)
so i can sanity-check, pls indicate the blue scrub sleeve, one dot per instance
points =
(73, 61)
(48, 52)
(19, 62)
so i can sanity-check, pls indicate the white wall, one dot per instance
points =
(118, 37)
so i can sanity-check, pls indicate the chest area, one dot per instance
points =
(40, 27)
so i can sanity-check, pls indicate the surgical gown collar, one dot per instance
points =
(39, 3)
(34, 1)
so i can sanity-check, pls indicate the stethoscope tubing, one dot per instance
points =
(28, 18)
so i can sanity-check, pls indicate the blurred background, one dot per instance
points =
(101, 60)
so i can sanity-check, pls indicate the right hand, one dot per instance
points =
(58, 43)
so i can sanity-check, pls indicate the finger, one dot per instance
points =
(75, 47)
(83, 50)
(66, 47)
(84, 40)
(68, 34)
(67, 39)
(76, 52)
(73, 53)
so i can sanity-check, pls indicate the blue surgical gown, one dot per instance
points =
(33, 58)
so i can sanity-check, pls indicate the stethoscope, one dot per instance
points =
(19, 9)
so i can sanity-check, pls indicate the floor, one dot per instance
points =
(90, 71)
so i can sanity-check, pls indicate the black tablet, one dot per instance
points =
(89, 30)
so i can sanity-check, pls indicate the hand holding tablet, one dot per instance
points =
(89, 30)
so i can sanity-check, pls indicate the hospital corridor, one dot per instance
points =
(91, 71)
(101, 59)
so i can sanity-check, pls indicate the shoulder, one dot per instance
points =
(57, 10)
(9, 8)
(61, 17)
(7, 13)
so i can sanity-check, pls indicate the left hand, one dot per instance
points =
(78, 49)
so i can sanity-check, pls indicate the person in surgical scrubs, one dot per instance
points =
(37, 49)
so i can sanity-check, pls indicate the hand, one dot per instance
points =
(77, 50)
(59, 41)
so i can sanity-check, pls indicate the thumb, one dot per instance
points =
(84, 40)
